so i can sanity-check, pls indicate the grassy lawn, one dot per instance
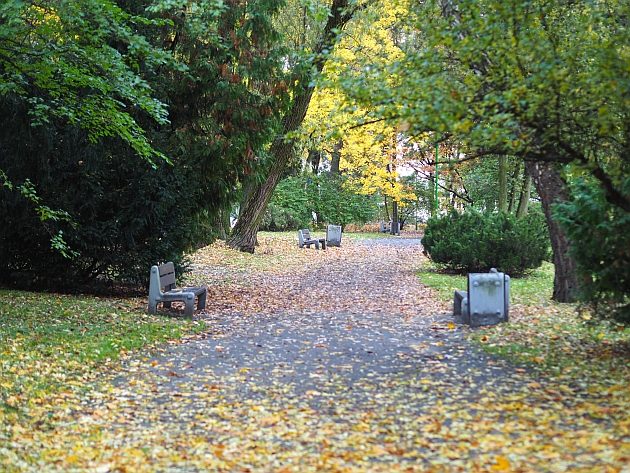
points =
(364, 235)
(545, 334)
(535, 288)
(51, 342)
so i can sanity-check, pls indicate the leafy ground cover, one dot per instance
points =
(339, 361)
(558, 340)
(51, 343)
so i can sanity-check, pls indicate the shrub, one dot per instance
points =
(124, 214)
(278, 219)
(289, 206)
(296, 198)
(334, 201)
(600, 243)
(475, 242)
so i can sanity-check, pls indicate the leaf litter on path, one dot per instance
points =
(336, 360)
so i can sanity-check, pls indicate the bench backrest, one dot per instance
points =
(161, 279)
(306, 233)
(489, 294)
(167, 275)
(333, 235)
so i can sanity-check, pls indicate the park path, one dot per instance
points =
(333, 361)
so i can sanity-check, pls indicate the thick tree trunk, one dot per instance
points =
(552, 188)
(523, 202)
(253, 208)
(244, 232)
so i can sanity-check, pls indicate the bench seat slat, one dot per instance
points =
(195, 290)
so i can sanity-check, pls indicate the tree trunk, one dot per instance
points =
(523, 202)
(394, 230)
(503, 203)
(514, 186)
(335, 159)
(244, 232)
(253, 208)
(552, 188)
(221, 223)
(314, 158)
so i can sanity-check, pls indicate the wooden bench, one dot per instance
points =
(305, 240)
(162, 289)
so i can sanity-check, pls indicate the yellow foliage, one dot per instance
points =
(368, 149)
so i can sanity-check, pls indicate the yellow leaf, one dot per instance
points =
(72, 459)
(501, 464)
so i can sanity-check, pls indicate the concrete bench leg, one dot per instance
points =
(152, 306)
(190, 305)
(202, 300)
(458, 299)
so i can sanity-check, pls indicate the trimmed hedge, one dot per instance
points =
(475, 242)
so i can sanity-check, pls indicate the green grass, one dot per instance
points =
(48, 341)
(533, 289)
(543, 333)
(364, 235)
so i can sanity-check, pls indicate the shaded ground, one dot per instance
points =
(336, 360)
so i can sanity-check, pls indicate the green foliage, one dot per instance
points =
(67, 336)
(537, 80)
(336, 202)
(296, 198)
(476, 242)
(600, 243)
(79, 61)
(76, 111)
(480, 181)
(121, 215)
(289, 206)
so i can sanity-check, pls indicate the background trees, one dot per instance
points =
(159, 115)
(541, 81)
(308, 65)
(84, 92)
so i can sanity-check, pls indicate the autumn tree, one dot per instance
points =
(538, 80)
(366, 153)
(308, 65)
